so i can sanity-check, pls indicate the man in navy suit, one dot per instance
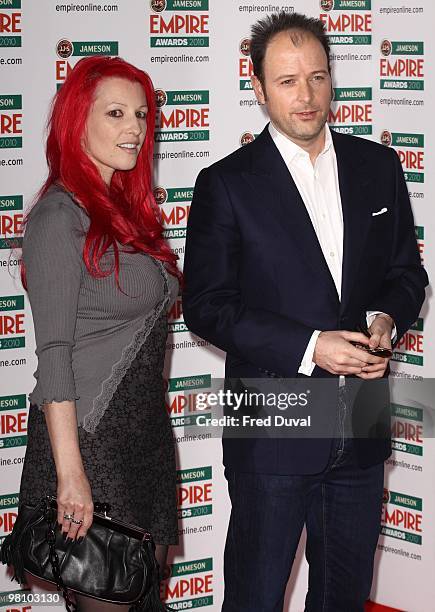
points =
(291, 242)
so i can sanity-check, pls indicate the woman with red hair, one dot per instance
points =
(100, 280)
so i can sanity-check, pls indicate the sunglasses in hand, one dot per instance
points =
(379, 351)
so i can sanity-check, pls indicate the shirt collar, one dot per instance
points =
(290, 150)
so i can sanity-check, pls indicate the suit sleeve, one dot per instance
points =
(213, 304)
(403, 293)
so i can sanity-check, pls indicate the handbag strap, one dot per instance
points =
(54, 559)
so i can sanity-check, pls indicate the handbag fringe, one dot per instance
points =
(11, 555)
(152, 601)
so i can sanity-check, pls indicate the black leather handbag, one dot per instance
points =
(114, 562)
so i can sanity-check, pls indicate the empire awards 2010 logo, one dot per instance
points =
(174, 208)
(186, 119)
(405, 72)
(12, 322)
(407, 429)
(179, 23)
(11, 122)
(411, 152)
(351, 110)
(11, 222)
(246, 69)
(189, 584)
(347, 22)
(13, 421)
(10, 24)
(410, 348)
(402, 517)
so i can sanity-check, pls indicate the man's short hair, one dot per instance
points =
(296, 24)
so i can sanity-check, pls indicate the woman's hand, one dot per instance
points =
(74, 495)
(74, 498)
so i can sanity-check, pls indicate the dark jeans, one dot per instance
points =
(341, 508)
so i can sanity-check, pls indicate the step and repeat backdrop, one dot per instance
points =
(197, 53)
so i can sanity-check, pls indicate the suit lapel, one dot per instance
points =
(354, 182)
(272, 181)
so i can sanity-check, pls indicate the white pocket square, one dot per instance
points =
(379, 212)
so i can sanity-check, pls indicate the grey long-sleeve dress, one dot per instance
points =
(104, 348)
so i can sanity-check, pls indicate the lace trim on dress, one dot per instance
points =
(109, 386)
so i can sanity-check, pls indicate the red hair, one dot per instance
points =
(126, 212)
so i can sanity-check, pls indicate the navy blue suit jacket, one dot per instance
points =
(257, 284)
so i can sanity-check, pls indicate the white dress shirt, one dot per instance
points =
(319, 188)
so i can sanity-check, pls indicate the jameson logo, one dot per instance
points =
(347, 22)
(66, 48)
(179, 23)
(402, 517)
(11, 121)
(345, 5)
(188, 585)
(179, 118)
(13, 421)
(419, 234)
(10, 23)
(11, 220)
(246, 69)
(9, 501)
(195, 492)
(175, 319)
(14, 302)
(174, 209)
(351, 111)
(401, 139)
(10, 4)
(402, 72)
(13, 202)
(410, 349)
(173, 195)
(12, 324)
(407, 429)
(181, 401)
(410, 148)
(199, 381)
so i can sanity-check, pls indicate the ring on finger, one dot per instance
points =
(77, 522)
(68, 517)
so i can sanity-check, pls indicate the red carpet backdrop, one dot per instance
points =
(197, 52)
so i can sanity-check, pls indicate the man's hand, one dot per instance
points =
(380, 335)
(335, 353)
